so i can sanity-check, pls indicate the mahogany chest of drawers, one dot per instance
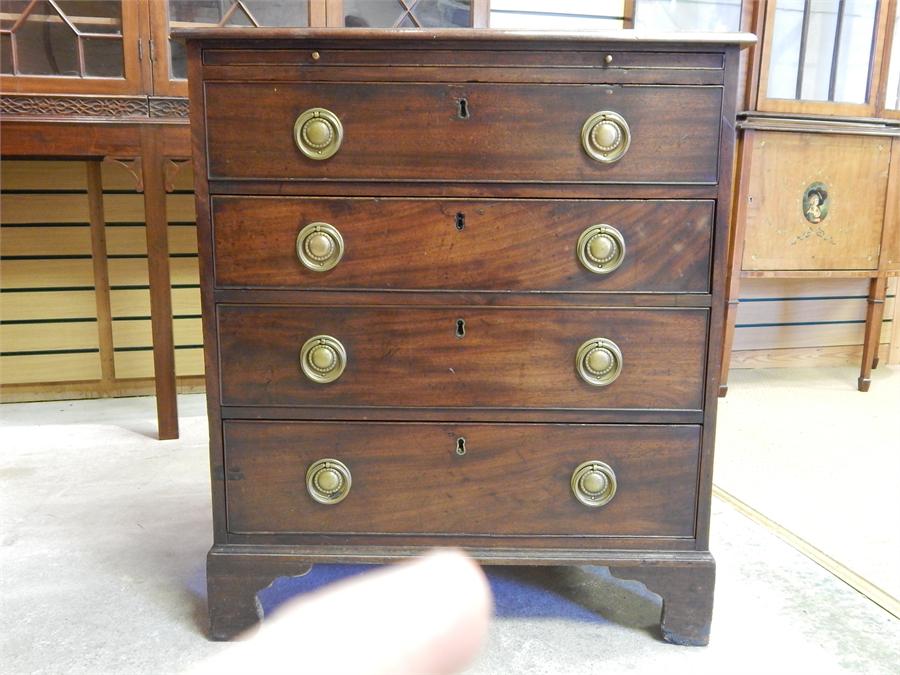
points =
(462, 288)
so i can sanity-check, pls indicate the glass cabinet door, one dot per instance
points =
(170, 58)
(408, 13)
(820, 56)
(69, 46)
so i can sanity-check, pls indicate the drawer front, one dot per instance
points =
(511, 480)
(420, 132)
(507, 358)
(508, 245)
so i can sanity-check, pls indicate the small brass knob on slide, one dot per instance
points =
(598, 361)
(320, 246)
(328, 481)
(606, 136)
(594, 483)
(601, 248)
(323, 359)
(318, 133)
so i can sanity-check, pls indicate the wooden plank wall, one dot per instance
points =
(50, 342)
(795, 322)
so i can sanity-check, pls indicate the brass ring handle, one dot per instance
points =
(318, 133)
(328, 481)
(601, 248)
(320, 246)
(599, 361)
(323, 359)
(606, 136)
(594, 483)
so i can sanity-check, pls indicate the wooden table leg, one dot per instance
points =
(153, 169)
(874, 315)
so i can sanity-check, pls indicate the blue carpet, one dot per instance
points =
(514, 596)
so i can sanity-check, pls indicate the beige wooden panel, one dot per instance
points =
(133, 271)
(18, 174)
(140, 364)
(45, 241)
(46, 273)
(129, 208)
(49, 368)
(56, 391)
(127, 303)
(43, 208)
(803, 357)
(52, 175)
(854, 170)
(132, 239)
(794, 311)
(137, 333)
(49, 305)
(22, 337)
(73, 208)
(803, 288)
(822, 335)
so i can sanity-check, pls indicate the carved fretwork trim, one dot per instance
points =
(168, 107)
(172, 168)
(73, 106)
(134, 166)
(94, 107)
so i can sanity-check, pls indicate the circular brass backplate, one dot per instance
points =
(318, 133)
(323, 359)
(601, 248)
(606, 136)
(598, 361)
(328, 481)
(320, 246)
(594, 483)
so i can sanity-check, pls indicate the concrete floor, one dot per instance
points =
(105, 529)
(821, 459)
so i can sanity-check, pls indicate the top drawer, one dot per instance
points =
(465, 132)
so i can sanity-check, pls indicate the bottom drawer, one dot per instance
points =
(462, 479)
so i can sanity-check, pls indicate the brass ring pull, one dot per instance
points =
(601, 248)
(318, 133)
(599, 362)
(594, 483)
(323, 359)
(328, 481)
(606, 136)
(320, 246)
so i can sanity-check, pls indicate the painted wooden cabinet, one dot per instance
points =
(819, 167)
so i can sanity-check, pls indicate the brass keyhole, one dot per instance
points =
(461, 446)
(463, 109)
(460, 221)
(460, 328)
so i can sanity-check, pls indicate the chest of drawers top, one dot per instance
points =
(449, 108)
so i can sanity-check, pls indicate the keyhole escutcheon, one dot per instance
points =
(463, 111)
(461, 446)
(460, 328)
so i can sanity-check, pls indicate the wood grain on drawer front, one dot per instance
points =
(414, 132)
(508, 245)
(509, 358)
(512, 480)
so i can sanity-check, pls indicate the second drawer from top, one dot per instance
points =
(472, 245)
